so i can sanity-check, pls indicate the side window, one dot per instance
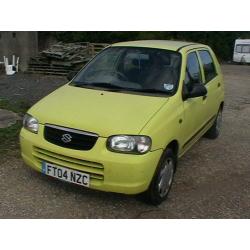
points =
(238, 48)
(193, 71)
(246, 49)
(208, 65)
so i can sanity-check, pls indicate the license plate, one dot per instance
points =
(65, 174)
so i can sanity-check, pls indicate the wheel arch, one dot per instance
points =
(174, 145)
(222, 105)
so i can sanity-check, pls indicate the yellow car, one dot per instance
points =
(123, 121)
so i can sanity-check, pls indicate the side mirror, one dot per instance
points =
(71, 75)
(197, 90)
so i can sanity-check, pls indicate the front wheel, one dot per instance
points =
(215, 130)
(162, 180)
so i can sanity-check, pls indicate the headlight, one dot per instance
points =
(30, 123)
(129, 144)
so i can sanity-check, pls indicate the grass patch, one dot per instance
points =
(19, 107)
(9, 137)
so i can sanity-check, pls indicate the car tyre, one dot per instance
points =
(215, 130)
(162, 180)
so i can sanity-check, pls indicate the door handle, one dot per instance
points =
(218, 84)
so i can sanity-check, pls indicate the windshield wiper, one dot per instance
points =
(112, 87)
(106, 85)
(153, 91)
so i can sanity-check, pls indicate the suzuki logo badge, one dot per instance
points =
(66, 138)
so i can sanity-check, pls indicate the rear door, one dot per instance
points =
(212, 82)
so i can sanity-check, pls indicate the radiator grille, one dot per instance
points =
(69, 138)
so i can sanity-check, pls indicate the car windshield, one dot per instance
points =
(133, 69)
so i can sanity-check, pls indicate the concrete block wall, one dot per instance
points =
(20, 43)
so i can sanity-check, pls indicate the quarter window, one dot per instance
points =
(193, 72)
(208, 65)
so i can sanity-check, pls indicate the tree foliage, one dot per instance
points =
(222, 42)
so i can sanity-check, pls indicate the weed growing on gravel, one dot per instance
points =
(9, 136)
(19, 107)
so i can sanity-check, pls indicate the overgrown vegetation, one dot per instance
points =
(9, 140)
(19, 107)
(221, 41)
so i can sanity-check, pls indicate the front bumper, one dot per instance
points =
(109, 171)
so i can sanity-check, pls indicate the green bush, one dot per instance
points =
(221, 41)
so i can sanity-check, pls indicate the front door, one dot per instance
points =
(194, 108)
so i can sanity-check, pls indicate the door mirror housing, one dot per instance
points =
(71, 75)
(197, 90)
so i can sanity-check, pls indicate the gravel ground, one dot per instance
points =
(28, 87)
(212, 180)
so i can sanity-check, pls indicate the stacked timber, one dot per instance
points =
(62, 58)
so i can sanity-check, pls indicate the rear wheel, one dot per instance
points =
(162, 180)
(215, 130)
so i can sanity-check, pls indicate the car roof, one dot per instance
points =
(160, 44)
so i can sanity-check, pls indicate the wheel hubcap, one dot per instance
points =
(166, 177)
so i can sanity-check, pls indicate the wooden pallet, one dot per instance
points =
(46, 72)
(62, 58)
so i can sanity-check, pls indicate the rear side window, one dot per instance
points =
(193, 72)
(208, 65)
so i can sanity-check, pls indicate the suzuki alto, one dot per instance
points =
(121, 124)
